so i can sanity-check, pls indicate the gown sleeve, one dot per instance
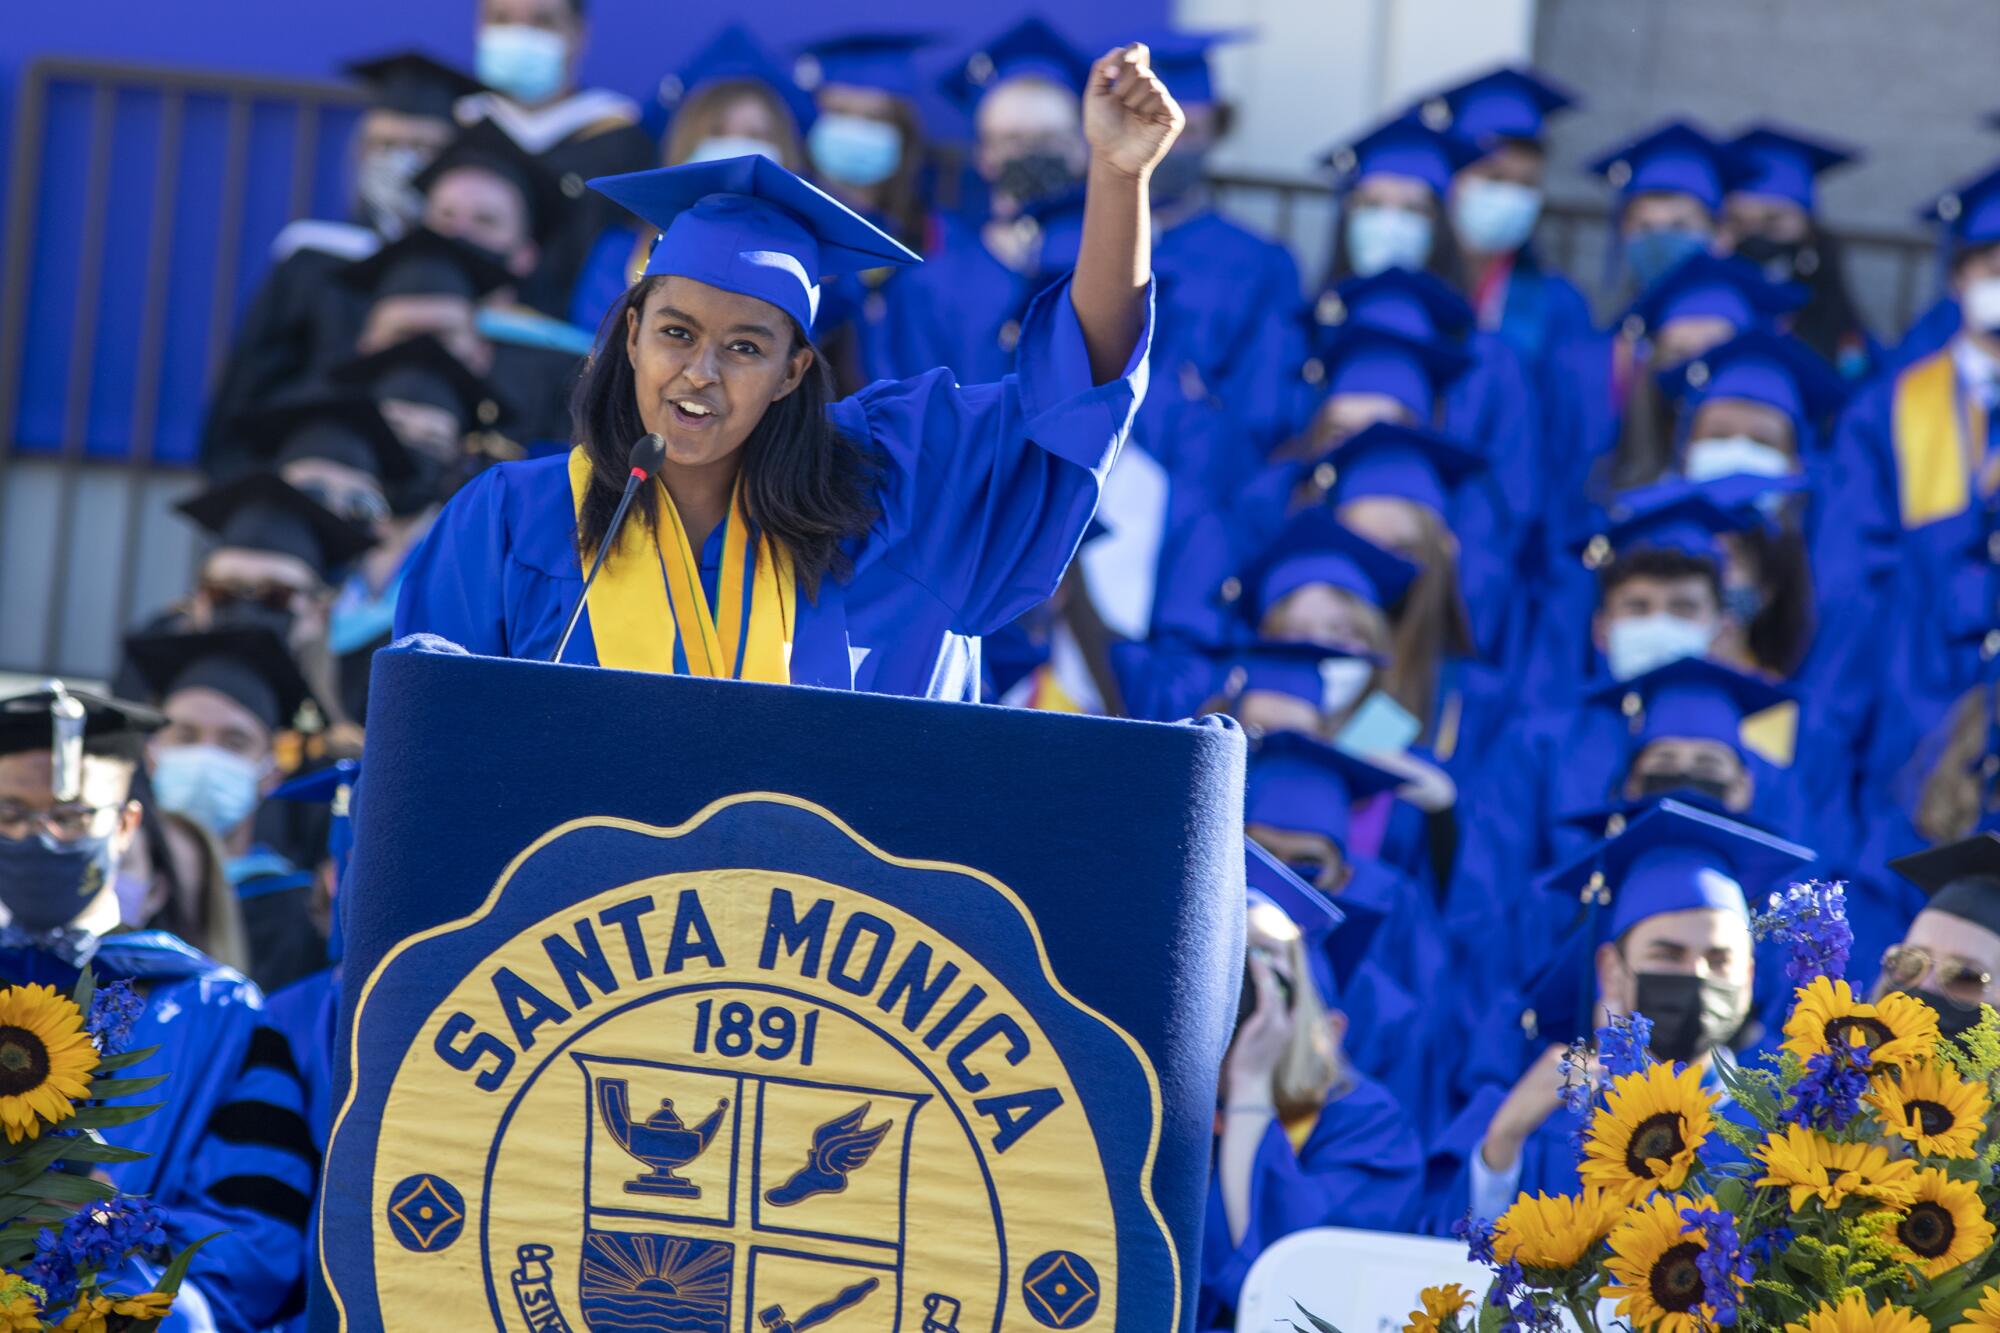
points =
(453, 588)
(986, 491)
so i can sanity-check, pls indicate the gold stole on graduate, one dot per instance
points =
(648, 597)
(1934, 460)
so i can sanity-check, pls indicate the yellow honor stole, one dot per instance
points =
(1934, 458)
(648, 599)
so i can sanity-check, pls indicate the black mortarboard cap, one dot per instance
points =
(424, 263)
(343, 425)
(423, 370)
(261, 512)
(487, 146)
(114, 727)
(249, 664)
(412, 83)
(1962, 878)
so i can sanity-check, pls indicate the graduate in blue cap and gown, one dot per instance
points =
(1664, 931)
(1496, 200)
(228, 1152)
(1390, 185)
(1771, 218)
(1951, 955)
(1302, 1138)
(861, 544)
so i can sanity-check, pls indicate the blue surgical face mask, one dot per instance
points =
(1652, 254)
(855, 150)
(719, 147)
(525, 63)
(45, 883)
(215, 788)
(1495, 217)
(1380, 238)
(1637, 644)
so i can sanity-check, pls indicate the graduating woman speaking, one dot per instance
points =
(860, 544)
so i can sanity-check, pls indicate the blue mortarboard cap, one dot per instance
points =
(1181, 59)
(1408, 301)
(1358, 358)
(1318, 919)
(1675, 158)
(1030, 47)
(1675, 858)
(1401, 462)
(333, 787)
(1719, 285)
(1692, 698)
(1506, 103)
(884, 61)
(1969, 211)
(1763, 366)
(734, 54)
(1305, 786)
(1781, 163)
(1316, 547)
(747, 225)
(1672, 515)
(1405, 146)
(1283, 667)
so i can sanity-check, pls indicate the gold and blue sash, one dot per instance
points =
(649, 612)
(1938, 447)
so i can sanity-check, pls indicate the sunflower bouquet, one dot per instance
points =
(64, 1231)
(1845, 1186)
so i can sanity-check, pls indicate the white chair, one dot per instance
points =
(1358, 1281)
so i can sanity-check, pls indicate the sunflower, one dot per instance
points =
(1944, 1225)
(1440, 1304)
(90, 1314)
(1984, 1317)
(1646, 1136)
(1932, 1107)
(1554, 1231)
(1827, 1017)
(21, 1307)
(1657, 1284)
(1809, 1163)
(45, 1059)
(1852, 1315)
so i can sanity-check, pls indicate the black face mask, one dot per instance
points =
(1781, 260)
(1955, 1018)
(1656, 784)
(1178, 175)
(253, 615)
(1034, 176)
(1691, 1015)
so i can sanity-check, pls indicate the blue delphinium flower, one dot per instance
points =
(114, 1008)
(52, 1269)
(97, 1235)
(1722, 1263)
(1828, 1095)
(1622, 1043)
(1810, 920)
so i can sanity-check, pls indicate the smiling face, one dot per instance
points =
(706, 364)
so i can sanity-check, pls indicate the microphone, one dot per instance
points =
(648, 452)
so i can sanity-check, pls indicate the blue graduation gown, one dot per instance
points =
(1932, 330)
(984, 495)
(961, 309)
(228, 1149)
(1540, 311)
(1360, 1167)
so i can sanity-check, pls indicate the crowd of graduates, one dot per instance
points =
(1558, 646)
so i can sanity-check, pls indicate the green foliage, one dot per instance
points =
(1318, 1325)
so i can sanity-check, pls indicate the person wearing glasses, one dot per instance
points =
(225, 1155)
(1951, 953)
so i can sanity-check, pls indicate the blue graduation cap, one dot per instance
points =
(1763, 366)
(1284, 667)
(1405, 146)
(1719, 285)
(1306, 786)
(1402, 462)
(734, 54)
(1030, 48)
(1781, 163)
(884, 61)
(1180, 58)
(1408, 301)
(747, 225)
(1691, 698)
(1675, 158)
(1336, 935)
(1506, 103)
(1671, 515)
(1969, 211)
(1316, 547)
(1360, 358)
(333, 787)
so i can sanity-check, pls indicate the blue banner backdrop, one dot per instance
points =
(678, 1004)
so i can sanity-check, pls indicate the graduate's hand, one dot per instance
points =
(1128, 115)
(1261, 1041)
(1531, 1101)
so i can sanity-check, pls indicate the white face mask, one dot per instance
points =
(1381, 238)
(1732, 456)
(1980, 305)
(208, 784)
(719, 146)
(383, 182)
(527, 64)
(1638, 644)
(1341, 681)
(1495, 217)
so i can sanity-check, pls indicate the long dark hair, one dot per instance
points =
(1781, 631)
(805, 484)
(1828, 322)
(1444, 263)
(1646, 434)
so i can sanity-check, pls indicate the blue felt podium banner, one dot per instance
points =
(701, 1007)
